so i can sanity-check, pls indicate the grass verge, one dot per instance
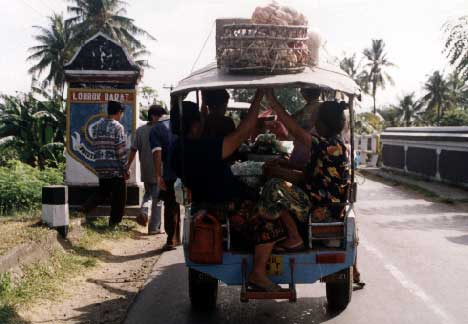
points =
(45, 280)
(40, 280)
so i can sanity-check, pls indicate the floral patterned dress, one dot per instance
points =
(327, 177)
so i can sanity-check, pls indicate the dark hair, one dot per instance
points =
(113, 107)
(156, 110)
(191, 114)
(215, 98)
(311, 93)
(331, 115)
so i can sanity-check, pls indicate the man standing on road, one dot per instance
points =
(110, 152)
(171, 207)
(150, 172)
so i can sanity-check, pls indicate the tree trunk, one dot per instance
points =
(375, 107)
(374, 93)
(438, 115)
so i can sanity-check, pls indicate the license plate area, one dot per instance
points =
(275, 265)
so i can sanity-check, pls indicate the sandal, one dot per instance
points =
(295, 248)
(358, 285)
(270, 288)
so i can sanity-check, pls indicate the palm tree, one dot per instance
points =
(53, 50)
(375, 76)
(459, 89)
(438, 95)
(408, 108)
(456, 45)
(391, 116)
(107, 16)
(35, 129)
(350, 65)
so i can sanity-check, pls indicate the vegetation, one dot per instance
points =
(53, 50)
(21, 185)
(454, 118)
(374, 75)
(148, 96)
(107, 16)
(407, 109)
(438, 97)
(456, 45)
(368, 123)
(45, 279)
(41, 280)
(290, 98)
(33, 129)
(444, 100)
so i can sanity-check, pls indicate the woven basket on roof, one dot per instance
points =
(263, 49)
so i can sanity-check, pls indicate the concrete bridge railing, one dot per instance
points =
(436, 153)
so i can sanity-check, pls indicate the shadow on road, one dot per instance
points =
(456, 223)
(165, 300)
(106, 256)
(8, 315)
(459, 239)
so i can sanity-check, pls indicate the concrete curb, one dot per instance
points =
(31, 252)
(440, 190)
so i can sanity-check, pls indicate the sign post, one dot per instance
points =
(100, 71)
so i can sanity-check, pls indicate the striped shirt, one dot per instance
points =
(110, 151)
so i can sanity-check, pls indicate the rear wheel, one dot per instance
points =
(339, 292)
(203, 290)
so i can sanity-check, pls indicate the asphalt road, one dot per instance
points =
(413, 256)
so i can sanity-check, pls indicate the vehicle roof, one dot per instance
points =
(325, 76)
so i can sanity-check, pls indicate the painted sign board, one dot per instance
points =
(85, 108)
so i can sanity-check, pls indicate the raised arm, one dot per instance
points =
(242, 133)
(293, 127)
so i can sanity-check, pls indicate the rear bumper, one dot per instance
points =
(307, 269)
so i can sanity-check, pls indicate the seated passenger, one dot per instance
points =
(291, 196)
(201, 163)
(216, 123)
(306, 117)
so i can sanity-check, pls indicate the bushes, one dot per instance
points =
(368, 123)
(21, 186)
(454, 118)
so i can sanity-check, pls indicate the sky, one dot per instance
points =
(411, 29)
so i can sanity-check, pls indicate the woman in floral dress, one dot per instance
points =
(292, 195)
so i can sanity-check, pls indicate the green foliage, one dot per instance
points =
(456, 45)
(407, 110)
(353, 68)
(40, 280)
(31, 129)
(368, 123)
(455, 118)
(391, 116)
(5, 284)
(109, 17)
(438, 98)
(375, 75)
(290, 98)
(148, 96)
(21, 185)
(53, 50)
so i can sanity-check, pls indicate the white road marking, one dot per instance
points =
(408, 284)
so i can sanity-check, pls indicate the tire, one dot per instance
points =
(63, 231)
(339, 293)
(203, 290)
